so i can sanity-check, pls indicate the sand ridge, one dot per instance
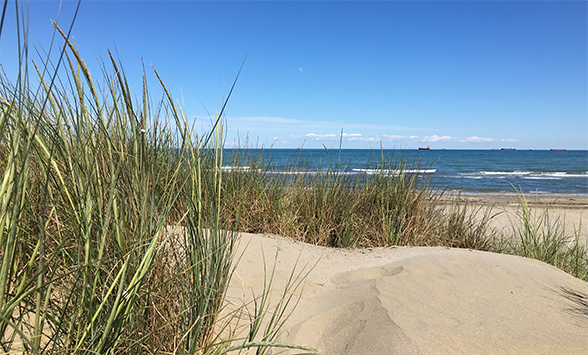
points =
(419, 300)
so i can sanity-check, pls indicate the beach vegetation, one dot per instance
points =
(112, 237)
(538, 236)
(391, 205)
(118, 222)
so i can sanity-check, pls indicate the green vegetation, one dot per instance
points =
(390, 206)
(117, 223)
(111, 231)
(539, 237)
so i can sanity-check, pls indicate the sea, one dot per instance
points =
(474, 171)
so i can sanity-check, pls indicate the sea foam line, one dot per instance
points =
(395, 171)
(316, 172)
(556, 175)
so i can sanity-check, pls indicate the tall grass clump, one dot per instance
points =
(111, 233)
(466, 226)
(537, 236)
(391, 204)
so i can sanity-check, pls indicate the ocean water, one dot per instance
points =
(532, 171)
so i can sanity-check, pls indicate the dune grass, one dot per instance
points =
(540, 237)
(387, 206)
(117, 221)
(390, 205)
(112, 237)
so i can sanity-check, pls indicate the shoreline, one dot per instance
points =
(567, 201)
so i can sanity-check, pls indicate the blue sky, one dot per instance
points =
(472, 74)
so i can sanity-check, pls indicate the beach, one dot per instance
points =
(421, 300)
(571, 210)
(357, 190)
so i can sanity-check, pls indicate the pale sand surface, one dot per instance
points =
(572, 210)
(418, 300)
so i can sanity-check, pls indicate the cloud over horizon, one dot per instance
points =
(476, 139)
(294, 132)
(436, 138)
(398, 138)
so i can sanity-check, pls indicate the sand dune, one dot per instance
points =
(419, 300)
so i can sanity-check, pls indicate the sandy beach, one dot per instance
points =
(572, 210)
(422, 300)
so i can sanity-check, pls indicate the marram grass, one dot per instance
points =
(393, 205)
(111, 236)
(117, 221)
(540, 237)
(390, 206)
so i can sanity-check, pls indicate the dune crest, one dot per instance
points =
(420, 300)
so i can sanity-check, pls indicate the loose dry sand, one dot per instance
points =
(424, 300)
(572, 210)
(418, 300)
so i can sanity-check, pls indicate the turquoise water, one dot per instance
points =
(537, 171)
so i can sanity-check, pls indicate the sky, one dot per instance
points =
(391, 74)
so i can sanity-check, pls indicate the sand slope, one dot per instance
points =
(420, 300)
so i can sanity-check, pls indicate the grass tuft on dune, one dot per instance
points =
(389, 206)
(118, 222)
(112, 238)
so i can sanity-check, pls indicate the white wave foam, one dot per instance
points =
(582, 175)
(555, 175)
(542, 178)
(237, 168)
(394, 171)
(516, 173)
(309, 172)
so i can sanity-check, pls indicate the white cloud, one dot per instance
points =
(320, 136)
(476, 139)
(392, 137)
(509, 140)
(330, 136)
(436, 138)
